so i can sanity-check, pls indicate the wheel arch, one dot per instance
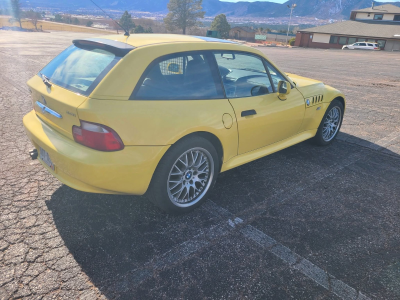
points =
(212, 138)
(341, 99)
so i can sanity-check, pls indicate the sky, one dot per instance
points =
(282, 1)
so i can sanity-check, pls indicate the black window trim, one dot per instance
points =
(218, 83)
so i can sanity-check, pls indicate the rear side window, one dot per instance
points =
(80, 70)
(181, 76)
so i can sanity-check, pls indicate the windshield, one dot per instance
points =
(78, 69)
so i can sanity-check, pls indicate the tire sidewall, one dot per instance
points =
(319, 140)
(158, 187)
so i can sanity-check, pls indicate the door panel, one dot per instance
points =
(250, 85)
(275, 120)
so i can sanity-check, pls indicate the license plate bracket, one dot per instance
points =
(45, 157)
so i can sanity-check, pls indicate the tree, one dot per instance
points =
(183, 14)
(75, 21)
(16, 12)
(139, 29)
(221, 25)
(126, 21)
(58, 18)
(149, 30)
(89, 23)
(33, 17)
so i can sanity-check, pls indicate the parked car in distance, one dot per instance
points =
(165, 114)
(362, 46)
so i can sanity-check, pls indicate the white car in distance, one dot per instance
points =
(362, 46)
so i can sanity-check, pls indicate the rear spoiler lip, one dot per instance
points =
(118, 48)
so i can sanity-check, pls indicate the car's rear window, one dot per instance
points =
(79, 70)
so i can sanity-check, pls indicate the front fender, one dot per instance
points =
(317, 104)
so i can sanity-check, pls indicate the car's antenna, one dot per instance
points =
(126, 31)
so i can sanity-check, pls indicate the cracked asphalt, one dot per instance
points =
(304, 223)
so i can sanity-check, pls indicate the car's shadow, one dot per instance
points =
(110, 235)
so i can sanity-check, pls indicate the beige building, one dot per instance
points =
(378, 24)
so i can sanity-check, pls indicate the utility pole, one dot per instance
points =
(290, 19)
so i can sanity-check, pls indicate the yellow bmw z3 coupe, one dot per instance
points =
(164, 114)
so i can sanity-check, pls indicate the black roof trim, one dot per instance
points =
(118, 48)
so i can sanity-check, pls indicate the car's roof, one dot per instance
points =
(138, 40)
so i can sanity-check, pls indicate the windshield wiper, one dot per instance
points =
(46, 80)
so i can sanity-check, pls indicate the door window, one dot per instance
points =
(275, 75)
(180, 76)
(243, 75)
(363, 44)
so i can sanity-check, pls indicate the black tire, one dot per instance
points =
(319, 138)
(159, 189)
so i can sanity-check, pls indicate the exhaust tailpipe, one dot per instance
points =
(33, 154)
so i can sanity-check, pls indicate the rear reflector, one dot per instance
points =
(97, 136)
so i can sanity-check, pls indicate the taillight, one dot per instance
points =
(97, 136)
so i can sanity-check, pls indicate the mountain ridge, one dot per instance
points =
(322, 9)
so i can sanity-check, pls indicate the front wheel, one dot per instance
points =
(330, 124)
(185, 175)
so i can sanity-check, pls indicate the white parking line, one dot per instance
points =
(324, 279)
(231, 222)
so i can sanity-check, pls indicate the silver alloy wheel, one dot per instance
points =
(331, 123)
(190, 177)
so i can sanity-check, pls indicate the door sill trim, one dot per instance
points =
(256, 154)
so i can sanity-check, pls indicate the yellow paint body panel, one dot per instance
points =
(148, 128)
(127, 171)
(275, 120)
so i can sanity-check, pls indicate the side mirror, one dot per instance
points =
(284, 89)
(259, 90)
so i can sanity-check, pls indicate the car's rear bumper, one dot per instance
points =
(128, 171)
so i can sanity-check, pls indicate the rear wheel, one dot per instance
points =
(330, 124)
(185, 175)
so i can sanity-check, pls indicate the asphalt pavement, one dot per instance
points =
(304, 223)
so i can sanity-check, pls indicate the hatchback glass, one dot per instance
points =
(79, 70)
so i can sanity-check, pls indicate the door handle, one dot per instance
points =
(250, 112)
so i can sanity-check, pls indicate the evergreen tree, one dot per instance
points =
(183, 14)
(126, 21)
(221, 25)
(16, 12)
(139, 29)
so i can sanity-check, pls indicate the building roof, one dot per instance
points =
(244, 28)
(387, 8)
(358, 28)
